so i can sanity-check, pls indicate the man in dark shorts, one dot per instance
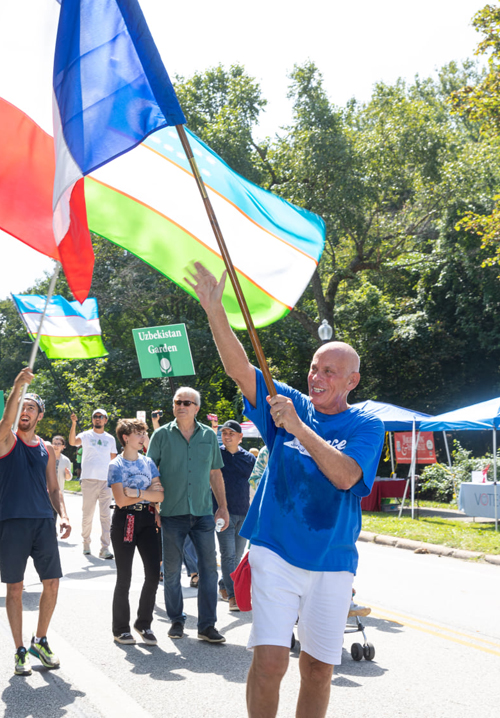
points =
(28, 490)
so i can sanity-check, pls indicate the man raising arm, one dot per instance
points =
(306, 516)
(27, 480)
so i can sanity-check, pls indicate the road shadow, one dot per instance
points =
(190, 655)
(380, 624)
(106, 568)
(31, 600)
(22, 700)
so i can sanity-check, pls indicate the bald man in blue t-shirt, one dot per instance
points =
(306, 515)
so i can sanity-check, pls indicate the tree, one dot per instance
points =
(480, 104)
(222, 108)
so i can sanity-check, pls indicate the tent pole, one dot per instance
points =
(391, 448)
(447, 448)
(450, 466)
(413, 453)
(495, 476)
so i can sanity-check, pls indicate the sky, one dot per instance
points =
(354, 45)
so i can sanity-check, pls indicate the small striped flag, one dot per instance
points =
(70, 330)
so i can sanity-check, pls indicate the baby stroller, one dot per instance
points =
(358, 650)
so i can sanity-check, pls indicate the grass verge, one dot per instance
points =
(72, 486)
(475, 536)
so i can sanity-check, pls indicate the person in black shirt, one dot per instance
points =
(238, 465)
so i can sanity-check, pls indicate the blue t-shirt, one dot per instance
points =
(297, 512)
(23, 482)
(236, 472)
(136, 474)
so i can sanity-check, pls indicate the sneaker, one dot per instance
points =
(147, 635)
(126, 638)
(41, 650)
(223, 594)
(104, 553)
(86, 550)
(233, 606)
(356, 610)
(22, 662)
(176, 630)
(212, 635)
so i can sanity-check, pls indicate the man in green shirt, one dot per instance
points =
(189, 460)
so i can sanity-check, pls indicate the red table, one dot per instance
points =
(390, 489)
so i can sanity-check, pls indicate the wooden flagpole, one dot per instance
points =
(36, 343)
(254, 337)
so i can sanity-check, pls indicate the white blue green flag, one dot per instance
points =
(70, 330)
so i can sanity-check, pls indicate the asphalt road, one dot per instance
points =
(435, 626)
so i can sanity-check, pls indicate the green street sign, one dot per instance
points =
(163, 351)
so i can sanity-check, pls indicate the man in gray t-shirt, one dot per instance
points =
(99, 448)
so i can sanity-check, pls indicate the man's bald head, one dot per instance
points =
(333, 374)
(345, 353)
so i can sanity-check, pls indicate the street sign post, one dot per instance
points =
(163, 351)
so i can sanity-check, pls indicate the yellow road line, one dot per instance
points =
(439, 631)
(439, 626)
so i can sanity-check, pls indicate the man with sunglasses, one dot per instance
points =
(189, 460)
(98, 448)
(306, 515)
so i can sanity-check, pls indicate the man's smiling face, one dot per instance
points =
(333, 374)
(30, 415)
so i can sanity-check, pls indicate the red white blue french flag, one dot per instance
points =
(110, 91)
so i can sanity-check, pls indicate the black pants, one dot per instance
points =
(146, 539)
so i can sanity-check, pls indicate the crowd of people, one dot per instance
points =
(320, 458)
(169, 520)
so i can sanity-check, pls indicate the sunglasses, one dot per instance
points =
(98, 416)
(183, 402)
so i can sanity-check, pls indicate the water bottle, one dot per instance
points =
(219, 525)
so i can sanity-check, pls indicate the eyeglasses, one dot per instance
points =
(98, 416)
(184, 402)
(58, 443)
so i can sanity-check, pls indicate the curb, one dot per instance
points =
(422, 547)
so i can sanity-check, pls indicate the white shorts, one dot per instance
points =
(281, 593)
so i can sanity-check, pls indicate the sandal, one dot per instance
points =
(194, 580)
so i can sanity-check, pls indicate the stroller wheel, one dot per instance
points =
(369, 651)
(356, 651)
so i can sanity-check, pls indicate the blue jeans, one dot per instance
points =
(231, 546)
(201, 529)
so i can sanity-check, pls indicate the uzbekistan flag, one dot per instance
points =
(147, 202)
(108, 89)
(70, 330)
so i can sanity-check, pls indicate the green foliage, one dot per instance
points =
(399, 279)
(442, 484)
(221, 107)
(437, 483)
(480, 102)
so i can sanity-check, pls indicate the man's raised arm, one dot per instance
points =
(73, 441)
(25, 376)
(236, 363)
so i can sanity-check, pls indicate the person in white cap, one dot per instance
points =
(98, 448)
